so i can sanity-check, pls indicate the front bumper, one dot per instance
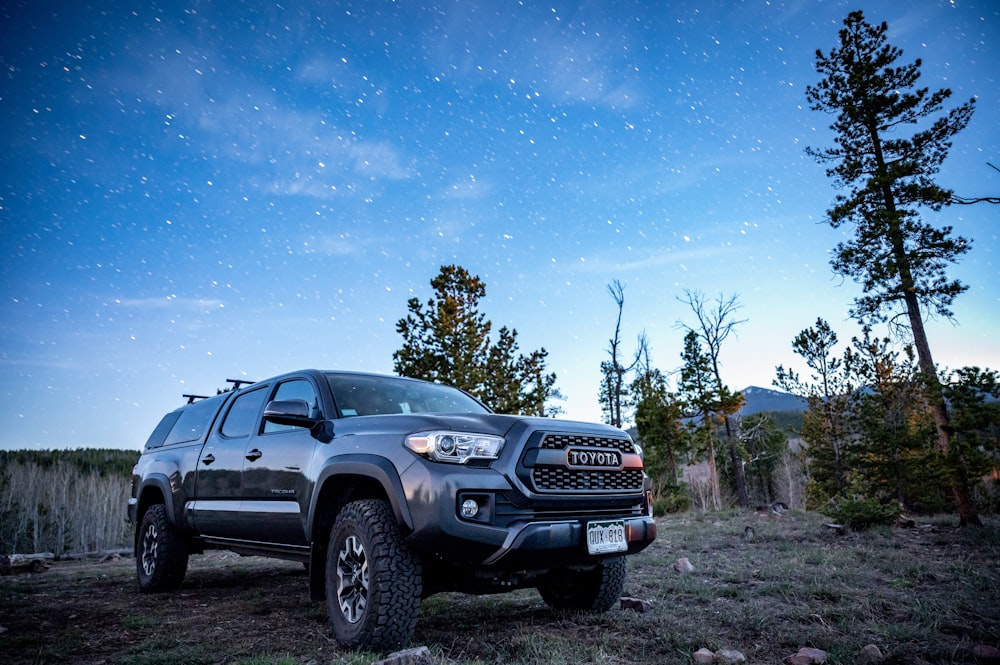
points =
(512, 530)
(565, 540)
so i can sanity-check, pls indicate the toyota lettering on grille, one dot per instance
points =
(605, 459)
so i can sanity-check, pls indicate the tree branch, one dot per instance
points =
(965, 200)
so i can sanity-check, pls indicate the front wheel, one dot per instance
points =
(593, 590)
(373, 580)
(161, 555)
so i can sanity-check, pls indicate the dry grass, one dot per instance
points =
(921, 595)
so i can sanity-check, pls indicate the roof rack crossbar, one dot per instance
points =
(237, 383)
(192, 398)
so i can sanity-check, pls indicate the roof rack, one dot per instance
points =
(237, 383)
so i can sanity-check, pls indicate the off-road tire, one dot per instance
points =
(161, 553)
(595, 590)
(373, 581)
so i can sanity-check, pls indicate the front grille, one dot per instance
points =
(561, 441)
(554, 479)
(550, 477)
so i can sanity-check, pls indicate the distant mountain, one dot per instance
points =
(764, 399)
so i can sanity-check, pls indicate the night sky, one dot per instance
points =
(196, 191)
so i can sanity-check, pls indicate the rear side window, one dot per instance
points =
(159, 434)
(194, 421)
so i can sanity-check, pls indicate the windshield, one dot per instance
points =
(364, 395)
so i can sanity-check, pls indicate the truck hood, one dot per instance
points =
(480, 423)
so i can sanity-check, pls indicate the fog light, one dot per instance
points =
(470, 508)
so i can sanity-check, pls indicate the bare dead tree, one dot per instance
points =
(613, 391)
(716, 321)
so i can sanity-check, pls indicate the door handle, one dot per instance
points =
(208, 459)
(254, 455)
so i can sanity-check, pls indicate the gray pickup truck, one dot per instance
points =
(390, 490)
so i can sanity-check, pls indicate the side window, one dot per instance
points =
(159, 434)
(193, 422)
(243, 414)
(294, 389)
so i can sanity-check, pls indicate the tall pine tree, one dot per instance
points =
(900, 260)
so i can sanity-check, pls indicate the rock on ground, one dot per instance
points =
(703, 657)
(870, 655)
(415, 656)
(807, 656)
(729, 657)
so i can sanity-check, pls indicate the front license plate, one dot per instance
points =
(606, 537)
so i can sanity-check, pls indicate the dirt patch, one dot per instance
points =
(228, 608)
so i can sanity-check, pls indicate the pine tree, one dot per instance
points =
(899, 259)
(709, 402)
(829, 394)
(658, 420)
(447, 340)
(894, 454)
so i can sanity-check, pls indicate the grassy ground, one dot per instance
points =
(924, 595)
(928, 593)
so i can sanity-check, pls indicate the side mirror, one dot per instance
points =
(294, 412)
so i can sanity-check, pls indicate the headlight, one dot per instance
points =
(456, 447)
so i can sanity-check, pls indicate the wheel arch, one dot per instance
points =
(343, 480)
(155, 489)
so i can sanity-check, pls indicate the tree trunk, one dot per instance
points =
(738, 471)
(838, 465)
(967, 514)
(713, 477)
(713, 468)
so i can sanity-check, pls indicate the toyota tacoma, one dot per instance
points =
(390, 490)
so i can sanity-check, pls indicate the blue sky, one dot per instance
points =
(197, 191)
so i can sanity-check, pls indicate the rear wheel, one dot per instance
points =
(161, 555)
(373, 581)
(594, 590)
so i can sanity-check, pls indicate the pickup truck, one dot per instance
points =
(390, 490)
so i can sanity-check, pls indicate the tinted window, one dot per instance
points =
(194, 421)
(294, 389)
(243, 414)
(160, 433)
(361, 395)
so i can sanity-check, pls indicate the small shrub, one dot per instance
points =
(860, 512)
(675, 500)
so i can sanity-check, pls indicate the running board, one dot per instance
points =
(253, 548)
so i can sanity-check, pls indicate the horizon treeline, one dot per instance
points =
(65, 501)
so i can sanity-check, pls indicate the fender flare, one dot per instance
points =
(160, 482)
(375, 467)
